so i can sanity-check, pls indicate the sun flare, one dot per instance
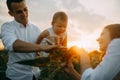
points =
(1, 46)
(88, 45)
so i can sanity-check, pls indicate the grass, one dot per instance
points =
(3, 61)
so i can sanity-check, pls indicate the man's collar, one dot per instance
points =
(21, 25)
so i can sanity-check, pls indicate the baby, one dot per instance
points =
(56, 34)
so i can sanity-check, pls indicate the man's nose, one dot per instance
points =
(24, 13)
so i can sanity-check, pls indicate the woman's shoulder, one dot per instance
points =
(114, 46)
(115, 42)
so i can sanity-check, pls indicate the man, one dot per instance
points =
(18, 37)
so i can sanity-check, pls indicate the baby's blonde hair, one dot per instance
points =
(60, 15)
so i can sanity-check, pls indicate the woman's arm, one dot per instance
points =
(71, 71)
(84, 60)
(85, 64)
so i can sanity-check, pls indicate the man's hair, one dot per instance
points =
(114, 30)
(9, 2)
(61, 15)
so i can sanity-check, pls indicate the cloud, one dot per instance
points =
(85, 16)
(108, 8)
(41, 10)
(3, 12)
(86, 21)
(70, 4)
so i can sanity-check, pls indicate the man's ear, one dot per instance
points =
(10, 13)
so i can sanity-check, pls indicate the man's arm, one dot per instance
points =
(21, 46)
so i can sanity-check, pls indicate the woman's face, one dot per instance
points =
(104, 40)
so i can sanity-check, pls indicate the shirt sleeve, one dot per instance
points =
(87, 74)
(8, 36)
(109, 67)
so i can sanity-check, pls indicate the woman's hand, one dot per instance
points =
(71, 71)
(69, 68)
(84, 60)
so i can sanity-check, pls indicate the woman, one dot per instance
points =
(109, 42)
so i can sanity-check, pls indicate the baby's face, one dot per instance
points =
(59, 26)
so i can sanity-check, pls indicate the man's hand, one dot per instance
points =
(48, 47)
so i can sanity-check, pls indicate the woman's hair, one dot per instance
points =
(114, 30)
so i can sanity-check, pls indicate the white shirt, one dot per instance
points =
(110, 65)
(11, 31)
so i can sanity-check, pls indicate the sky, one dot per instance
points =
(87, 18)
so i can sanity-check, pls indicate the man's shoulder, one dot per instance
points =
(8, 22)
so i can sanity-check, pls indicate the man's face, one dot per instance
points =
(19, 12)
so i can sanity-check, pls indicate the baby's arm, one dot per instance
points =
(64, 43)
(44, 34)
